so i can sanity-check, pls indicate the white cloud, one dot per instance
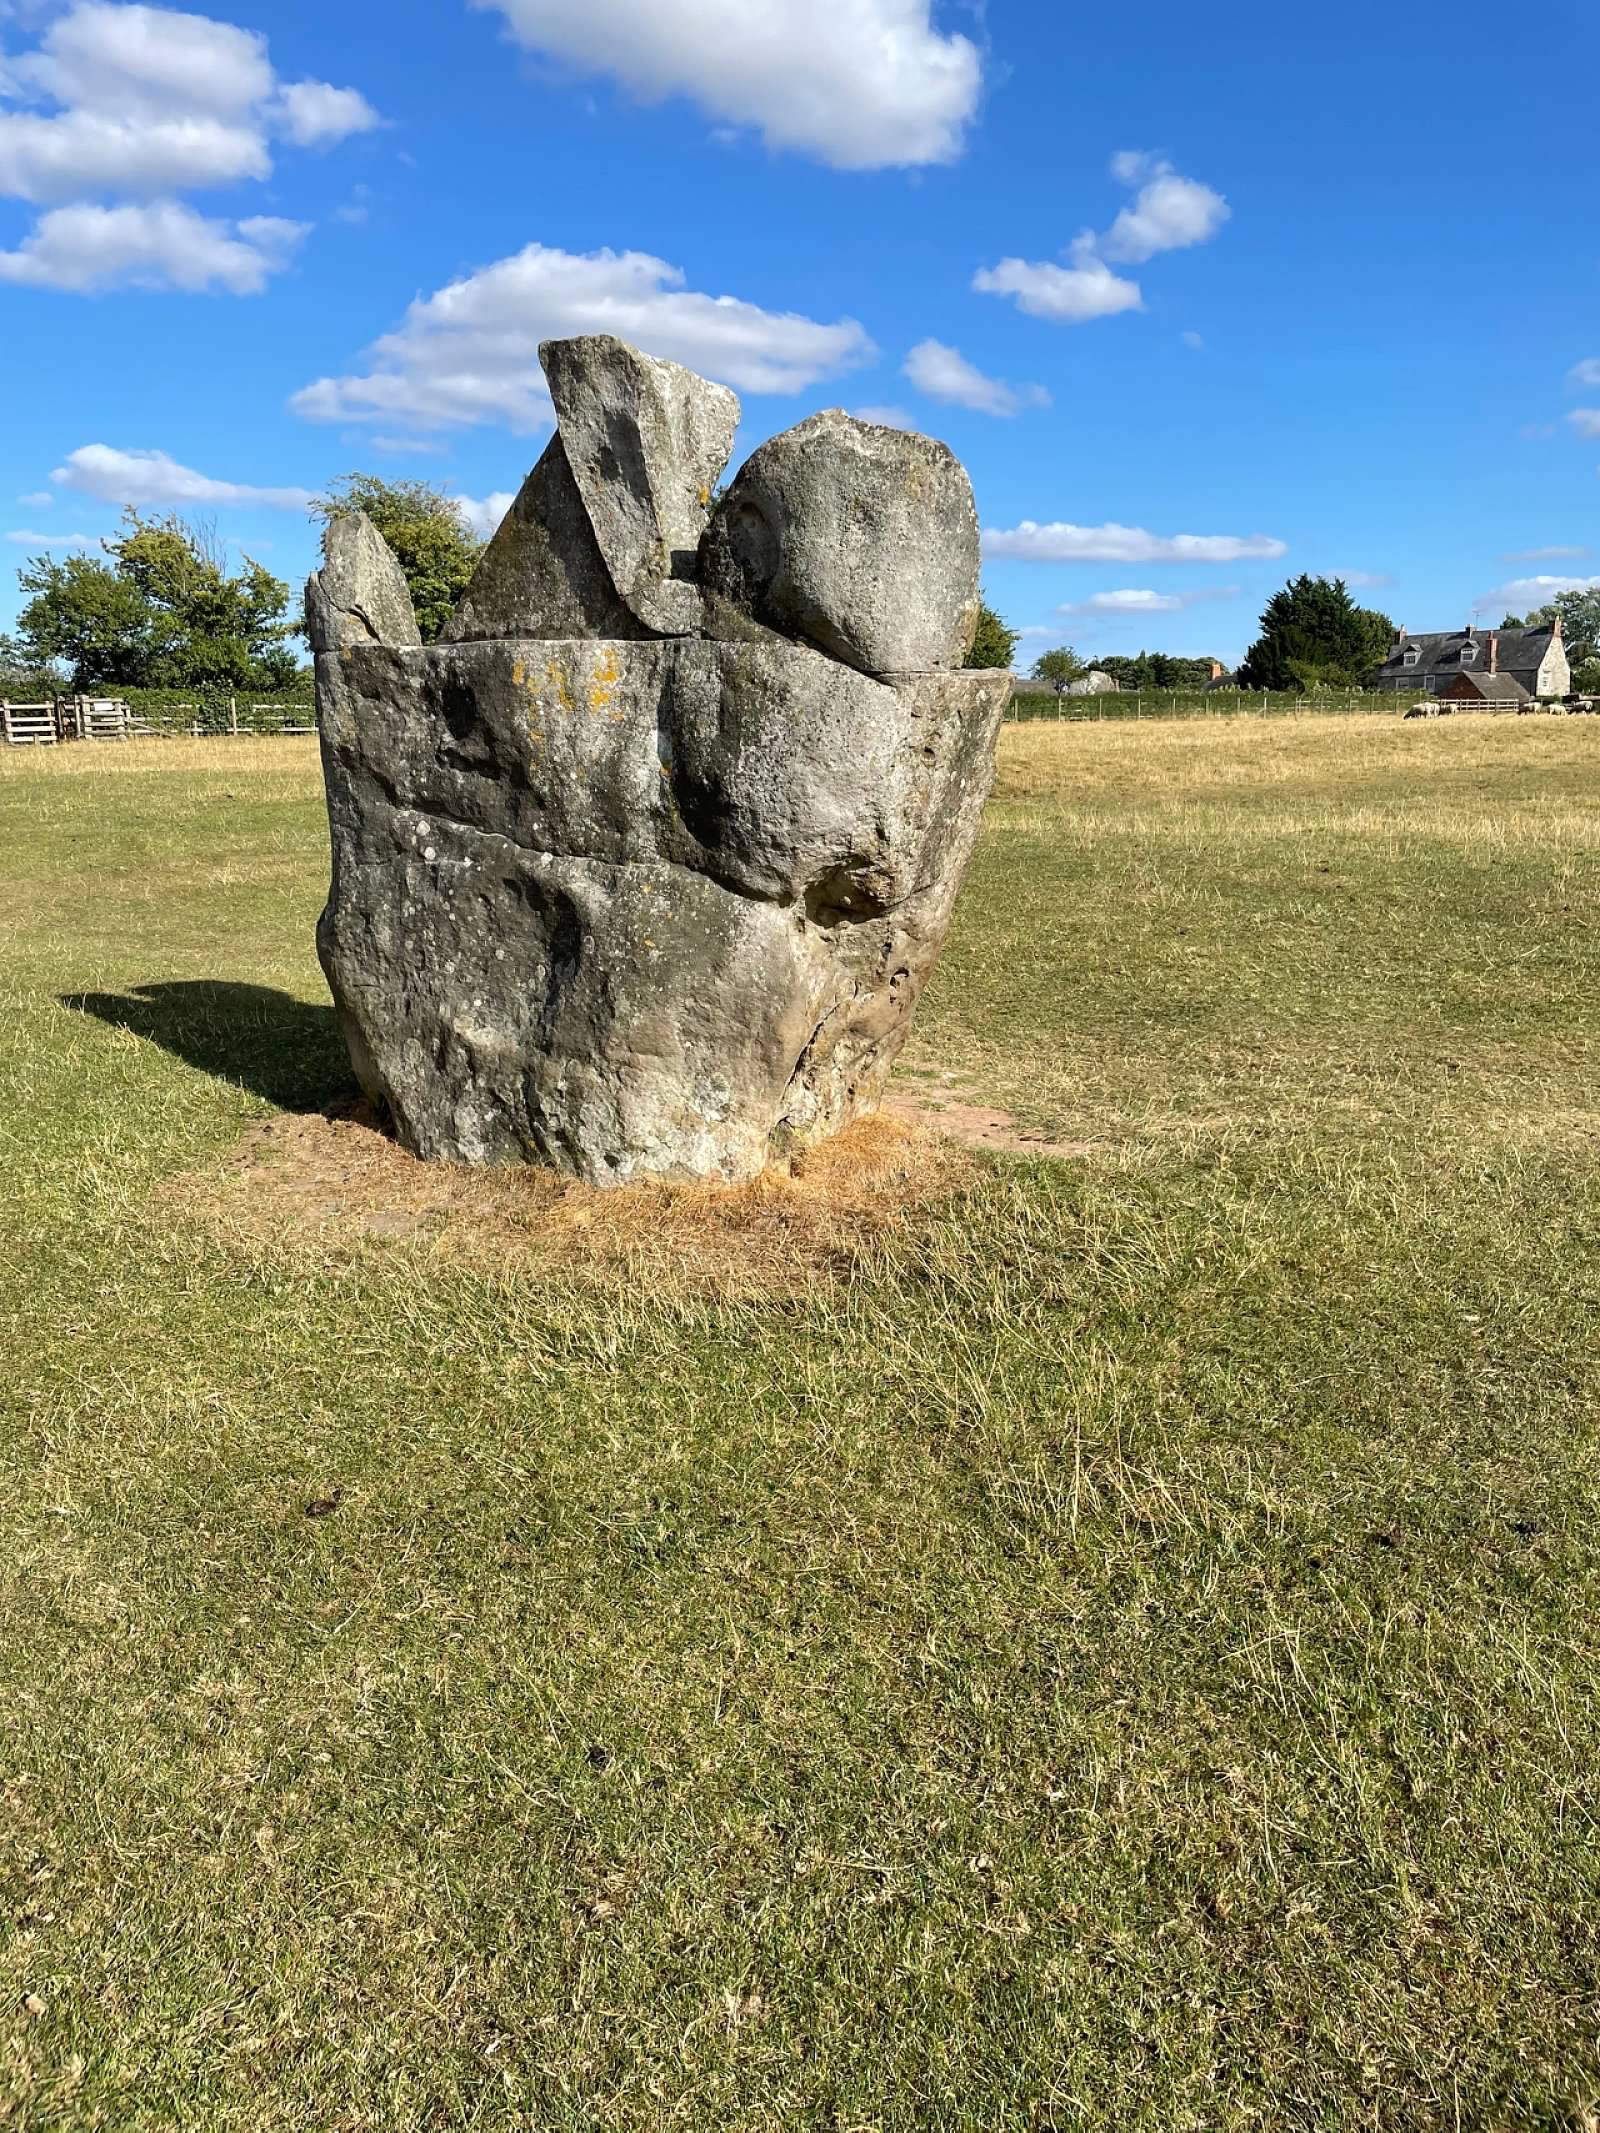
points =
(154, 478)
(1585, 373)
(1059, 543)
(135, 105)
(1085, 289)
(1586, 421)
(888, 418)
(862, 84)
(1191, 339)
(314, 114)
(1357, 580)
(1124, 603)
(1169, 214)
(87, 152)
(143, 101)
(54, 540)
(145, 63)
(37, 497)
(483, 514)
(1131, 166)
(1534, 592)
(1520, 555)
(158, 245)
(1146, 603)
(944, 373)
(470, 352)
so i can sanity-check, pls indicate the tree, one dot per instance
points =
(428, 531)
(23, 678)
(1058, 667)
(1155, 670)
(1579, 610)
(158, 609)
(993, 645)
(1314, 636)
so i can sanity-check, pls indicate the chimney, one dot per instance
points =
(1216, 670)
(1494, 651)
(1557, 626)
(1399, 637)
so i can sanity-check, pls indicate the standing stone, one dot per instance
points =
(360, 595)
(656, 905)
(858, 539)
(542, 575)
(647, 442)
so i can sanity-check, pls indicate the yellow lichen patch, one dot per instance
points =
(705, 499)
(556, 687)
(603, 682)
(519, 674)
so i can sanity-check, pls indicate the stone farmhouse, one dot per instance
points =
(1480, 666)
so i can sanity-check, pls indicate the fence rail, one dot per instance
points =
(29, 725)
(200, 721)
(112, 718)
(1028, 705)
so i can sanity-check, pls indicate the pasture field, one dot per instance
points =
(1114, 1644)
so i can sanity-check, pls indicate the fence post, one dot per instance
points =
(233, 716)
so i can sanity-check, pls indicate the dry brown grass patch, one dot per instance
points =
(246, 755)
(331, 1184)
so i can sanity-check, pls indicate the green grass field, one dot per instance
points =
(1123, 1652)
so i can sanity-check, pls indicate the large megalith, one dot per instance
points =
(641, 869)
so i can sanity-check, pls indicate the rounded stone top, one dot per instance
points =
(859, 539)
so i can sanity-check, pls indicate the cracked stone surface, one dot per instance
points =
(633, 901)
(360, 595)
(647, 442)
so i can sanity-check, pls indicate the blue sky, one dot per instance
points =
(1201, 296)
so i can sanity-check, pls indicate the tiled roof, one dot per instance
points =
(1440, 653)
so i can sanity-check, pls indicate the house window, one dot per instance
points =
(1412, 655)
(1469, 653)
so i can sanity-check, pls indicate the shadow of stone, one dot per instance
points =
(286, 1050)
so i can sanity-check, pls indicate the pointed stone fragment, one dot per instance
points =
(647, 442)
(860, 540)
(360, 595)
(543, 574)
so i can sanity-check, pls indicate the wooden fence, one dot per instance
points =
(109, 718)
(29, 725)
(1029, 705)
(202, 721)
